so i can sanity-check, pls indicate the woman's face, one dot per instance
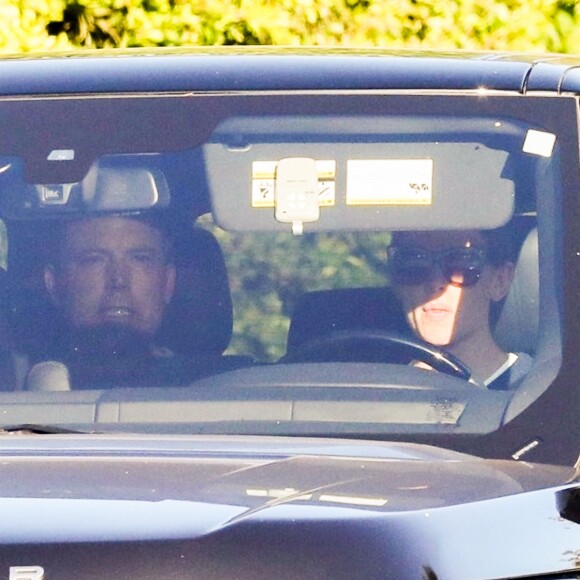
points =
(443, 312)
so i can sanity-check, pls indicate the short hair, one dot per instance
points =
(161, 222)
(502, 245)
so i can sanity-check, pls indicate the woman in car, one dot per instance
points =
(451, 285)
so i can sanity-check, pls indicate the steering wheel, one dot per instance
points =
(378, 346)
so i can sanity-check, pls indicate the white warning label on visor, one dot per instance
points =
(389, 182)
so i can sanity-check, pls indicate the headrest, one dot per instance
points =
(517, 326)
(199, 318)
(324, 312)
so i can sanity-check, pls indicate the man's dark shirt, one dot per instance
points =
(115, 356)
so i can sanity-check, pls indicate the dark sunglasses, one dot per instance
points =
(461, 267)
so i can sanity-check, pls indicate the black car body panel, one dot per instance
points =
(251, 508)
(263, 69)
(175, 72)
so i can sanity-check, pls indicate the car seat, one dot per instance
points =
(199, 318)
(12, 367)
(322, 313)
(518, 324)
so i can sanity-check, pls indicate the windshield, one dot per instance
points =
(371, 265)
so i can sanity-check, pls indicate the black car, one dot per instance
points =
(351, 350)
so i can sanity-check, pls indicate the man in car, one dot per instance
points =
(451, 285)
(111, 281)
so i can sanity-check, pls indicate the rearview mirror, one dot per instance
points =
(114, 183)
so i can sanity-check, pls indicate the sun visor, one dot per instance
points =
(357, 173)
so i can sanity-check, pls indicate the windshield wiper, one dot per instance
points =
(39, 429)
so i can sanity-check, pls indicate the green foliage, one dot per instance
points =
(269, 272)
(537, 25)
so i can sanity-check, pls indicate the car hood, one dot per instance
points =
(175, 480)
(245, 491)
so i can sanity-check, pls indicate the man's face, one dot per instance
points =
(112, 271)
(445, 314)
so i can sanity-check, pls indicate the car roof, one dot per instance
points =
(277, 69)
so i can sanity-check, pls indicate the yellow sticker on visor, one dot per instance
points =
(264, 179)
